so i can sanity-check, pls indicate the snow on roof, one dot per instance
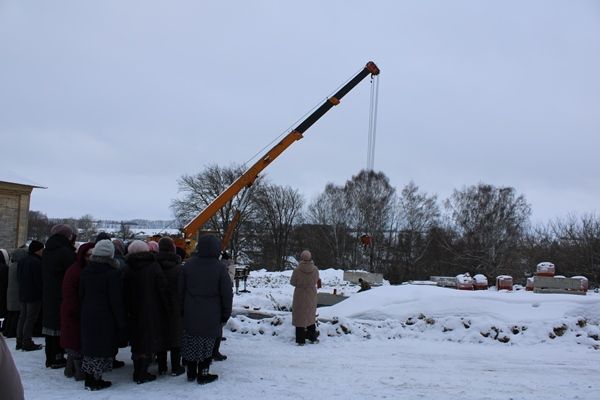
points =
(12, 177)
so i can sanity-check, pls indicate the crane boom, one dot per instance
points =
(248, 177)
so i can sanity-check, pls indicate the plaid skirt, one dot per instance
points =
(196, 348)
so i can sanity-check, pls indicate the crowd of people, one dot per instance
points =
(104, 295)
(100, 296)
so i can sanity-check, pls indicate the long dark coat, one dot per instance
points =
(29, 273)
(58, 255)
(171, 266)
(205, 290)
(70, 308)
(103, 325)
(304, 305)
(146, 302)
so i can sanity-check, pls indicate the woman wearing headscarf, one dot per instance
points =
(206, 295)
(147, 305)
(305, 279)
(103, 325)
(70, 313)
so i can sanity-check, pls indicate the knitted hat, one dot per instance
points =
(166, 244)
(305, 256)
(35, 246)
(63, 230)
(153, 246)
(104, 248)
(137, 246)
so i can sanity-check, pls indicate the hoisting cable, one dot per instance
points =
(374, 101)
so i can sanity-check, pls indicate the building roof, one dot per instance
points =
(9, 176)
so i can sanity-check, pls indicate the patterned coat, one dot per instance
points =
(304, 305)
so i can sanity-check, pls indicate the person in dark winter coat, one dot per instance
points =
(4, 261)
(103, 324)
(364, 285)
(70, 313)
(58, 255)
(206, 296)
(13, 305)
(147, 305)
(119, 252)
(29, 275)
(305, 279)
(171, 266)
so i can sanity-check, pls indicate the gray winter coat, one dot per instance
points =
(12, 296)
(205, 290)
(304, 306)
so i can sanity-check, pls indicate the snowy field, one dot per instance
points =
(392, 342)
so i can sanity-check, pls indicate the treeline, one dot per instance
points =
(367, 224)
(406, 235)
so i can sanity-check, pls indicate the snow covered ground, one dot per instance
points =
(392, 342)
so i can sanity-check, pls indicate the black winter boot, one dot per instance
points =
(192, 371)
(143, 376)
(312, 334)
(19, 344)
(93, 384)
(204, 377)
(29, 345)
(176, 368)
(70, 367)
(300, 335)
(161, 358)
(79, 375)
(217, 356)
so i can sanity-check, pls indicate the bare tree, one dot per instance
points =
(490, 222)
(38, 226)
(330, 217)
(418, 214)
(370, 199)
(201, 189)
(86, 228)
(278, 209)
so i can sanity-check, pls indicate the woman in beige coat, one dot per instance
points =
(305, 280)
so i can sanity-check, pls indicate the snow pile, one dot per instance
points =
(422, 312)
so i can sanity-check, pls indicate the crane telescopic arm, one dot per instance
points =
(248, 177)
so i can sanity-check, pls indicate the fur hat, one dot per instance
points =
(137, 246)
(63, 230)
(35, 246)
(102, 236)
(104, 248)
(166, 244)
(305, 256)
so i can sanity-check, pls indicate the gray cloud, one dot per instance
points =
(108, 103)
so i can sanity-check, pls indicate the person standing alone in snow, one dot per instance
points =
(305, 280)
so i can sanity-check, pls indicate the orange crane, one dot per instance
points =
(250, 175)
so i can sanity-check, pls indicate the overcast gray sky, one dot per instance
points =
(108, 103)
